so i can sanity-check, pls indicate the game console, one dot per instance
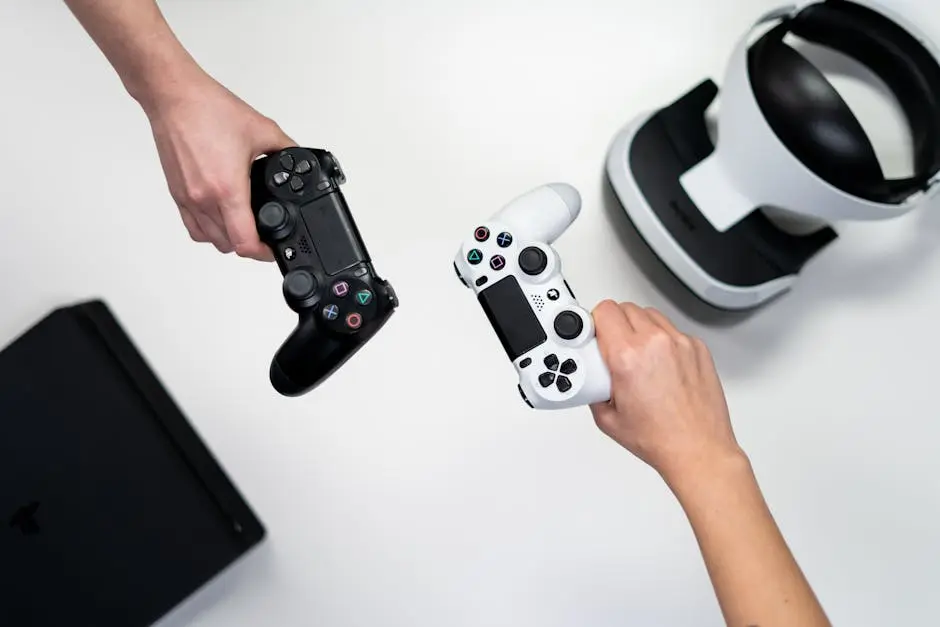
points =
(737, 219)
(328, 275)
(509, 263)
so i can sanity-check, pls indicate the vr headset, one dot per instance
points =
(787, 144)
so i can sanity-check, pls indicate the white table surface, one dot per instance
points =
(414, 489)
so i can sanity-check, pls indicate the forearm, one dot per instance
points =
(140, 46)
(756, 579)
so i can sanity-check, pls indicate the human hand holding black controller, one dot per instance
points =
(329, 280)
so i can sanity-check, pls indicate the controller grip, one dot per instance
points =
(309, 356)
(542, 214)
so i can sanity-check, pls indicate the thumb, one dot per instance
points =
(605, 416)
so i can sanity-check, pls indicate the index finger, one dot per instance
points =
(241, 228)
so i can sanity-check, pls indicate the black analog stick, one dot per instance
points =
(299, 285)
(533, 260)
(274, 219)
(568, 325)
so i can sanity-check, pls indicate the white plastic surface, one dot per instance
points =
(534, 219)
(705, 286)
(751, 167)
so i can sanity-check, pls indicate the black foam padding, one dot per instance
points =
(813, 121)
(752, 252)
(112, 509)
(811, 118)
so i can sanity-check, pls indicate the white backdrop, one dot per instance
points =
(414, 488)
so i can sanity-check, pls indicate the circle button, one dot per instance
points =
(353, 321)
(568, 325)
(533, 260)
(481, 234)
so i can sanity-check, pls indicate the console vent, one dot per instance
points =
(304, 246)
(538, 301)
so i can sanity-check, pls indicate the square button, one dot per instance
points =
(340, 289)
(497, 262)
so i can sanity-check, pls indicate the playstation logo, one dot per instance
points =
(24, 519)
(553, 294)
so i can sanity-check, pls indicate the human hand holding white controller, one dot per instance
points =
(511, 266)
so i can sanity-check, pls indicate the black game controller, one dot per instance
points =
(329, 280)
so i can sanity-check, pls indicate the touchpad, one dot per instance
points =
(512, 317)
(333, 233)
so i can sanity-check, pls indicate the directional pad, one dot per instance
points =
(564, 384)
(551, 362)
(546, 379)
(303, 167)
(569, 367)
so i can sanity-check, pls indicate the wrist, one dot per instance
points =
(166, 79)
(702, 473)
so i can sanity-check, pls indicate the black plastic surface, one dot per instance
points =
(814, 122)
(112, 510)
(753, 251)
(509, 311)
(323, 240)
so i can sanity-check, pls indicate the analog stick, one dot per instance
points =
(274, 220)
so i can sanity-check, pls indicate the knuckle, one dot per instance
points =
(197, 195)
(624, 361)
(683, 341)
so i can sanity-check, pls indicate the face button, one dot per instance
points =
(340, 289)
(568, 325)
(474, 257)
(363, 297)
(504, 239)
(481, 281)
(551, 362)
(533, 260)
(498, 262)
(525, 363)
(296, 183)
(481, 234)
(569, 367)
(286, 161)
(546, 379)
(553, 294)
(354, 321)
(330, 312)
(303, 167)
(280, 178)
(564, 384)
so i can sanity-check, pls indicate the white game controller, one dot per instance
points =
(510, 265)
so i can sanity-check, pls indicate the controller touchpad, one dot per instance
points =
(334, 235)
(512, 317)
